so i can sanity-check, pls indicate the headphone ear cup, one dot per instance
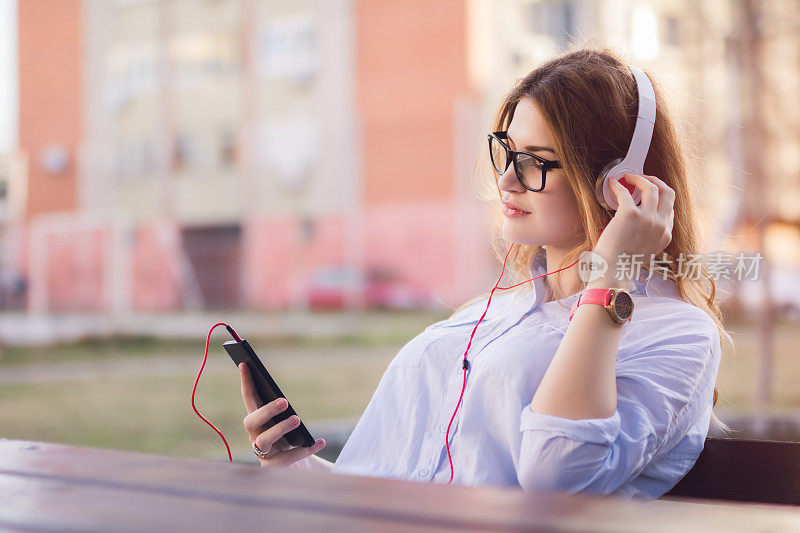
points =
(600, 186)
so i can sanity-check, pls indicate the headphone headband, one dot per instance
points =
(633, 162)
(646, 119)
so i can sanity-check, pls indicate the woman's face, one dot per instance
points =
(553, 212)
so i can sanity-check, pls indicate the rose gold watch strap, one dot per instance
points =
(592, 296)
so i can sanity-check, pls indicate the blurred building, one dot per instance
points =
(227, 153)
(222, 153)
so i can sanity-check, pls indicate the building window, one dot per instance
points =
(131, 74)
(289, 147)
(672, 31)
(554, 18)
(134, 157)
(288, 49)
(201, 58)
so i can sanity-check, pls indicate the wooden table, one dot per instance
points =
(52, 487)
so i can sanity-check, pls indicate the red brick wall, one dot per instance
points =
(50, 97)
(412, 63)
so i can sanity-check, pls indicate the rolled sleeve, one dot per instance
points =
(662, 392)
(590, 431)
(561, 454)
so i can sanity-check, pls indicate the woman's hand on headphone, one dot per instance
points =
(268, 439)
(639, 229)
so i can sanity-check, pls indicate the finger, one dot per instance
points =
(251, 402)
(623, 196)
(270, 452)
(649, 191)
(666, 195)
(662, 186)
(297, 454)
(269, 437)
(261, 416)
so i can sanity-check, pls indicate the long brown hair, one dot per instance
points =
(588, 98)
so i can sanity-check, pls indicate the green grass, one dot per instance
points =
(152, 413)
(93, 349)
(374, 329)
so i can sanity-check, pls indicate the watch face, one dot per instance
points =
(623, 305)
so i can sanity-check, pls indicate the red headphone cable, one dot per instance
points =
(205, 356)
(465, 364)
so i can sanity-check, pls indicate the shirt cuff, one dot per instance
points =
(591, 430)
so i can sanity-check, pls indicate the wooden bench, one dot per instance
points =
(744, 470)
(53, 487)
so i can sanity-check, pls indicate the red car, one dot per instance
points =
(382, 290)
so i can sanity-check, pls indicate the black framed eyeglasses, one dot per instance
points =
(531, 169)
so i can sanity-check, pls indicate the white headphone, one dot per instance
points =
(633, 163)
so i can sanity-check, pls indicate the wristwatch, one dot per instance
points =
(617, 302)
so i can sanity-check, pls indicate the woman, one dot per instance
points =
(581, 404)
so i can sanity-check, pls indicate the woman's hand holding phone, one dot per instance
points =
(267, 441)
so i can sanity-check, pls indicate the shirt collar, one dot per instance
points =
(654, 286)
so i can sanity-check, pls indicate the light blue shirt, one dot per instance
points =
(667, 365)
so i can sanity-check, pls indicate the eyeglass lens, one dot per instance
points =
(529, 170)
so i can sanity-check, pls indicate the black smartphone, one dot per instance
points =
(268, 391)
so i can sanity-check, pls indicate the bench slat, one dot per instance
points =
(744, 470)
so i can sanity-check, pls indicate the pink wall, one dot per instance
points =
(278, 262)
(155, 284)
(75, 270)
(415, 240)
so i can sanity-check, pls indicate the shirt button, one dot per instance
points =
(444, 429)
(423, 472)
